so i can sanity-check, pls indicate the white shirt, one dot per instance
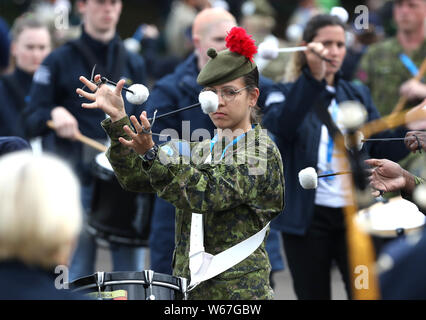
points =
(331, 191)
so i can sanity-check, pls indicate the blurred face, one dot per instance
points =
(30, 48)
(213, 37)
(333, 39)
(101, 16)
(410, 15)
(234, 105)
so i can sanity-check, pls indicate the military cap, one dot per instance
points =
(232, 63)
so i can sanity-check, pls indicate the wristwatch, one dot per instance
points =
(150, 154)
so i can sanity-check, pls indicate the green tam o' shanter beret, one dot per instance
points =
(229, 64)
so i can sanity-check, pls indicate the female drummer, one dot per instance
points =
(303, 119)
(235, 180)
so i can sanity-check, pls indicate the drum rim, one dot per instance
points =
(115, 282)
(359, 219)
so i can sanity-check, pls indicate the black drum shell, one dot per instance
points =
(116, 215)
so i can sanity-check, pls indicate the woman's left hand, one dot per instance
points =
(141, 140)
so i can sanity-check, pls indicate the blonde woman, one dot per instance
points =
(31, 43)
(40, 219)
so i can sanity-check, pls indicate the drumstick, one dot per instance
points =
(403, 100)
(292, 49)
(268, 51)
(383, 139)
(82, 138)
(333, 174)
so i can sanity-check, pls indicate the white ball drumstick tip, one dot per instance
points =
(352, 114)
(359, 141)
(209, 101)
(140, 94)
(340, 12)
(268, 50)
(308, 178)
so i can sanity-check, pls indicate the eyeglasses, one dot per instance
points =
(227, 93)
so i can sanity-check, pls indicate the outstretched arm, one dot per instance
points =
(388, 176)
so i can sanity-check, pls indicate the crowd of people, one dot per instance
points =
(54, 98)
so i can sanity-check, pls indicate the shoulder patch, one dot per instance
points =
(274, 97)
(169, 151)
(42, 75)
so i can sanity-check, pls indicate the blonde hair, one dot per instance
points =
(28, 20)
(40, 210)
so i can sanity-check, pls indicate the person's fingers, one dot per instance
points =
(412, 134)
(129, 131)
(373, 162)
(88, 83)
(87, 95)
(144, 121)
(414, 147)
(92, 105)
(369, 172)
(375, 193)
(119, 87)
(136, 124)
(125, 142)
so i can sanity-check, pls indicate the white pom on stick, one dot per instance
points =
(268, 50)
(359, 141)
(308, 178)
(352, 114)
(340, 12)
(139, 95)
(209, 101)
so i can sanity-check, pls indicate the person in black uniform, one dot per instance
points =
(52, 96)
(31, 43)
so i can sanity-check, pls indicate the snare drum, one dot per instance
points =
(146, 285)
(391, 218)
(117, 216)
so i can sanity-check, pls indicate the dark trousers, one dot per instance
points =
(311, 257)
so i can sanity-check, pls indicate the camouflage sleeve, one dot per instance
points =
(126, 163)
(418, 180)
(409, 195)
(212, 187)
(362, 72)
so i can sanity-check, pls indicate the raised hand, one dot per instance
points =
(314, 54)
(415, 140)
(108, 100)
(141, 141)
(387, 176)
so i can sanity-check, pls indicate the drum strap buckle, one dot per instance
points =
(100, 277)
(149, 277)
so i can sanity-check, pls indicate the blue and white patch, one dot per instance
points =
(184, 148)
(169, 151)
(42, 75)
(274, 97)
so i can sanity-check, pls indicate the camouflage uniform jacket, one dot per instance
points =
(382, 71)
(236, 199)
